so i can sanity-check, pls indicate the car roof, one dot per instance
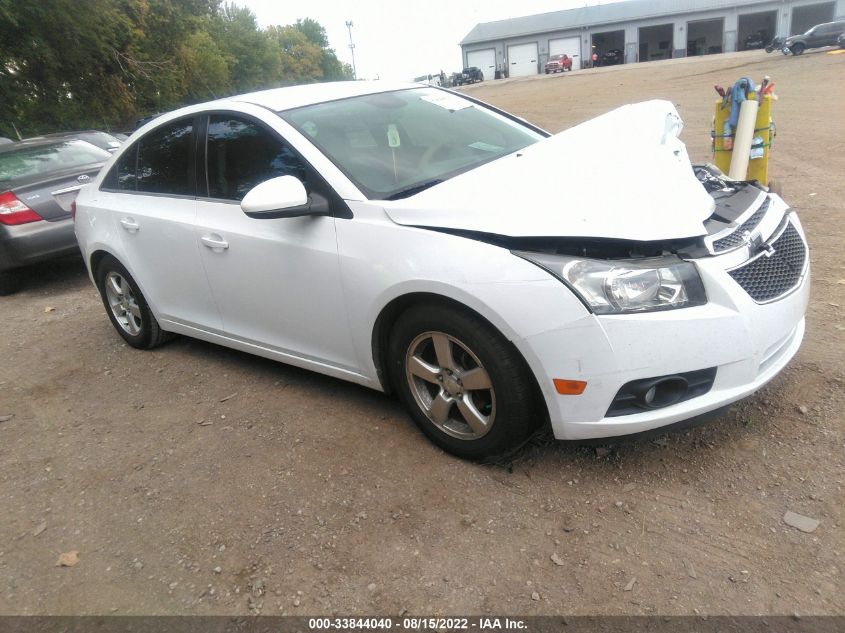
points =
(279, 99)
(38, 142)
(60, 135)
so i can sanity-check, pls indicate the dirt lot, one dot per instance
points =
(198, 480)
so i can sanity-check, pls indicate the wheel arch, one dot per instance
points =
(98, 256)
(391, 312)
(99, 253)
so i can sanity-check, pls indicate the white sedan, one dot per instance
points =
(415, 241)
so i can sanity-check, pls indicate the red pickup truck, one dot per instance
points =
(558, 63)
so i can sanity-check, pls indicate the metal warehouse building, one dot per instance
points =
(644, 30)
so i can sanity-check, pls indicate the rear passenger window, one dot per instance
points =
(242, 154)
(164, 159)
(121, 176)
(126, 167)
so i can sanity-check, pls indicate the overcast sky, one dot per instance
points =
(401, 39)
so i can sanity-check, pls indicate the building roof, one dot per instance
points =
(594, 15)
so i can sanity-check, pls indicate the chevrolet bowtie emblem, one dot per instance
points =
(757, 245)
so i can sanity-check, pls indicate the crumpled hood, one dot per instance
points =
(622, 175)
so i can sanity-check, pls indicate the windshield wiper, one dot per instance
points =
(410, 191)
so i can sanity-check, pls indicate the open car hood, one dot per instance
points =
(622, 175)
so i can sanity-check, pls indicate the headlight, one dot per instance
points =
(626, 285)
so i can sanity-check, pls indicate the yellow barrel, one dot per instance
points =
(758, 168)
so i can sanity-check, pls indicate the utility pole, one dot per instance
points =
(349, 26)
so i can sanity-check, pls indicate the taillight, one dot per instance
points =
(13, 211)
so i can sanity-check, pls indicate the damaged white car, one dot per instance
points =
(419, 242)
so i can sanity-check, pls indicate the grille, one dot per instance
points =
(737, 238)
(767, 278)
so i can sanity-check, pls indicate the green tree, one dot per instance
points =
(332, 68)
(57, 71)
(299, 57)
(253, 61)
(205, 67)
(72, 64)
(151, 67)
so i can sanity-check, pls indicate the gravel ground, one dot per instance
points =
(198, 480)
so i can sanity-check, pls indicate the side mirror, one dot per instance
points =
(282, 197)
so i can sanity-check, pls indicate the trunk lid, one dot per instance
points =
(37, 192)
(622, 175)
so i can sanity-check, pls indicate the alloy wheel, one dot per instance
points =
(451, 386)
(123, 303)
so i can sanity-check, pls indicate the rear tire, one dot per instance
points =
(126, 307)
(465, 386)
(10, 283)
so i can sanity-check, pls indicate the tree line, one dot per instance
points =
(76, 64)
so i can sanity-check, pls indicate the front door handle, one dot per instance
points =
(214, 242)
(130, 225)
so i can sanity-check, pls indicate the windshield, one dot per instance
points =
(26, 161)
(102, 140)
(393, 144)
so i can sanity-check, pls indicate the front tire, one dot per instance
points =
(126, 307)
(798, 49)
(466, 387)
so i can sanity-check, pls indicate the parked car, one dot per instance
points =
(558, 63)
(756, 40)
(33, 227)
(415, 241)
(612, 57)
(5, 141)
(103, 140)
(826, 34)
(471, 75)
(841, 41)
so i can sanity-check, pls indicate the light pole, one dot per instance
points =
(352, 48)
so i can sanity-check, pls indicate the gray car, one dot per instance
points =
(33, 227)
(103, 140)
(820, 35)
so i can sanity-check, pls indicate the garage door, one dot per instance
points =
(570, 46)
(522, 59)
(485, 60)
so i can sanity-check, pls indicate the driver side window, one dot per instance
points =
(242, 154)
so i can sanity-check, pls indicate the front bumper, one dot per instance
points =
(748, 343)
(26, 244)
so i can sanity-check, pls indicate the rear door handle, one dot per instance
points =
(214, 242)
(130, 225)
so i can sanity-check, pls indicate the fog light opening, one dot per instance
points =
(661, 393)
